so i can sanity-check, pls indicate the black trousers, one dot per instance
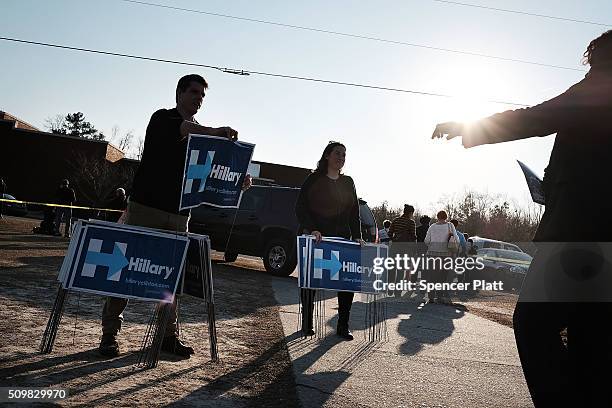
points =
(345, 301)
(578, 374)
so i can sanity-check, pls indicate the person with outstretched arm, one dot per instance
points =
(577, 177)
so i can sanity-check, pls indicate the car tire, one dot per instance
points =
(279, 257)
(230, 256)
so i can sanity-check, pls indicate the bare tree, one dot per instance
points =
(56, 124)
(139, 148)
(96, 179)
(123, 142)
(384, 212)
(493, 216)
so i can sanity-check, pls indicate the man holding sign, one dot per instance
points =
(156, 194)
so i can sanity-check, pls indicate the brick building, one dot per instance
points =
(33, 163)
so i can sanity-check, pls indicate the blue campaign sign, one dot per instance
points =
(338, 264)
(215, 168)
(128, 263)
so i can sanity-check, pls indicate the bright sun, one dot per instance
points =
(473, 86)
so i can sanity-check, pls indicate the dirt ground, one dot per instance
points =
(254, 371)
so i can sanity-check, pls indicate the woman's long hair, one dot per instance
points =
(599, 52)
(322, 163)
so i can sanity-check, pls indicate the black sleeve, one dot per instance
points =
(73, 195)
(354, 219)
(302, 206)
(540, 120)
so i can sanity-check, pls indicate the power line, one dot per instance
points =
(351, 35)
(247, 72)
(572, 20)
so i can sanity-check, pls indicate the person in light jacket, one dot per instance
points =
(439, 239)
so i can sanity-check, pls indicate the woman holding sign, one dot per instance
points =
(328, 206)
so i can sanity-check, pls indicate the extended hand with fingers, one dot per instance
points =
(450, 129)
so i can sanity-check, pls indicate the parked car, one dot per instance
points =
(265, 225)
(482, 243)
(17, 209)
(506, 265)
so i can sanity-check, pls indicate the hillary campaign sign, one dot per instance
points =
(215, 168)
(123, 261)
(337, 264)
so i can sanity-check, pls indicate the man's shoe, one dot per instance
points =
(173, 345)
(345, 333)
(109, 346)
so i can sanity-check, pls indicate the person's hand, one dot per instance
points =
(450, 129)
(228, 132)
(317, 235)
(360, 241)
(247, 183)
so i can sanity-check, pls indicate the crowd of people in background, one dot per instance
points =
(434, 238)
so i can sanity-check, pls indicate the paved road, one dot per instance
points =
(435, 356)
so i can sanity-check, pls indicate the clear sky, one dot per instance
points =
(389, 151)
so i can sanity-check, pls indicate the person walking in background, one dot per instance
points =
(383, 233)
(437, 239)
(560, 374)
(118, 202)
(2, 192)
(327, 205)
(403, 228)
(65, 197)
(462, 242)
(403, 235)
(421, 232)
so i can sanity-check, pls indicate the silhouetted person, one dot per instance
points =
(327, 206)
(2, 192)
(421, 230)
(119, 202)
(65, 197)
(403, 237)
(578, 174)
(156, 192)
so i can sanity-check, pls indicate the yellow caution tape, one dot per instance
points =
(57, 205)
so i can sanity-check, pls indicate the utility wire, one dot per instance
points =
(247, 72)
(572, 20)
(350, 35)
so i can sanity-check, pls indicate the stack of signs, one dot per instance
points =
(198, 282)
(338, 264)
(197, 275)
(215, 168)
(123, 261)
